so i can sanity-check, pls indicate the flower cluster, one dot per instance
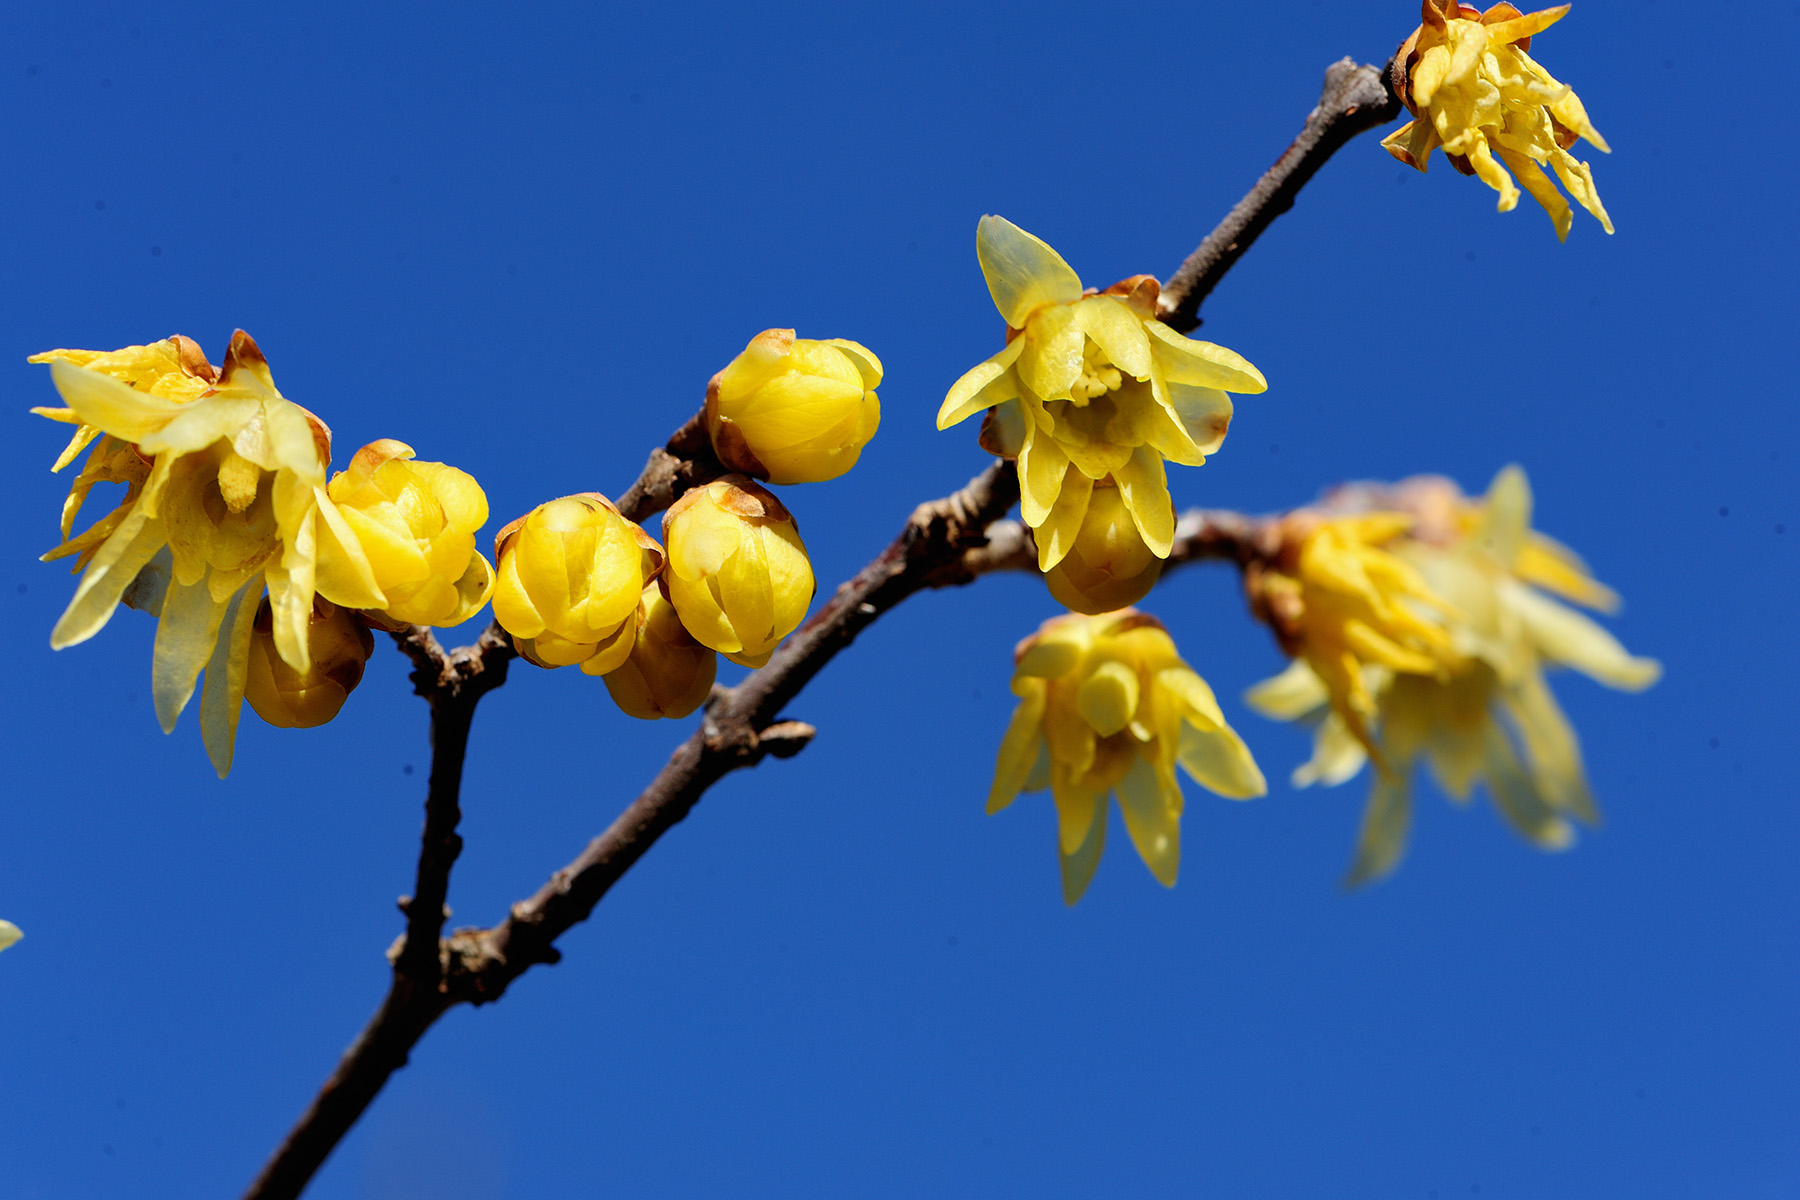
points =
(1474, 91)
(227, 499)
(1107, 707)
(1091, 395)
(1483, 713)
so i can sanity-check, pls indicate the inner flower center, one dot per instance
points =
(1098, 375)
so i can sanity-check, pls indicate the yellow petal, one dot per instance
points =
(185, 637)
(1517, 797)
(1023, 273)
(117, 563)
(1020, 749)
(1294, 694)
(1144, 487)
(1054, 353)
(1152, 821)
(1118, 331)
(1042, 467)
(1337, 755)
(1188, 360)
(222, 696)
(1079, 865)
(110, 404)
(1381, 840)
(1063, 523)
(1218, 760)
(1565, 636)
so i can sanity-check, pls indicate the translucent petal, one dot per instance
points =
(1565, 636)
(222, 696)
(1042, 465)
(1145, 489)
(124, 554)
(1337, 755)
(1382, 838)
(1296, 693)
(1020, 750)
(1062, 525)
(1023, 273)
(1552, 754)
(1517, 797)
(1079, 865)
(990, 383)
(111, 404)
(1204, 413)
(1118, 331)
(1506, 515)
(1153, 823)
(1054, 353)
(185, 636)
(1188, 360)
(1219, 761)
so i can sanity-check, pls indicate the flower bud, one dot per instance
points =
(571, 573)
(1108, 567)
(794, 410)
(738, 573)
(416, 523)
(338, 645)
(668, 674)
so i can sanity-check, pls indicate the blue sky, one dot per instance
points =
(522, 239)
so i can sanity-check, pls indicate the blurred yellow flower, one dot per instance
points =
(1091, 387)
(1492, 718)
(1473, 89)
(233, 499)
(668, 673)
(794, 410)
(1106, 706)
(570, 577)
(1108, 566)
(338, 647)
(1337, 599)
(416, 523)
(9, 933)
(738, 572)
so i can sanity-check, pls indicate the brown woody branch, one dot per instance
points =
(946, 542)
(1354, 99)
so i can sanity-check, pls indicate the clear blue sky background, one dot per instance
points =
(522, 237)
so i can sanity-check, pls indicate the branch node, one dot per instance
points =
(784, 739)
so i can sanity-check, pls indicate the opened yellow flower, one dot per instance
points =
(1340, 601)
(794, 410)
(570, 577)
(233, 499)
(338, 647)
(1473, 89)
(9, 933)
(738, 572)
(416, 523)
(1091, 387)
(1108, 567)
(1107, 707)
(1491, 718)
(668, 673)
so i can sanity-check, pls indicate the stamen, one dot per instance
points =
(238, 478)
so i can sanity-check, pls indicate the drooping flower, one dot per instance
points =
(338, 647)
(1108, 566)
(794, 410)
(233, 499)
(668, 673)
(1091, 386)
(1107, 707)
(738, 573)
(416, 523)
(1336, 598)
(1492, 718)
(1473, 90)
(9, 933)
(571, 573)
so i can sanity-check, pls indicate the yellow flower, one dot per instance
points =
(1107, 706)
(173, 369)
(668, 674)
(416, 523)
(338, 644)
(794, 410)
(738, 572)
(9, 933)
(233, 499)
(1337, 599)
(1090, 386)
(1108, 567)
(570, 577)
(1492, 718)
(1473, 89)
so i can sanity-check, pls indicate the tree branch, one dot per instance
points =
(946, 543)
(1354, 99)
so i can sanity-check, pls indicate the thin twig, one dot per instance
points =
(1354, 99)
(947, 542)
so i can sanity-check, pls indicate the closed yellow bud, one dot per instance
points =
(668, 674)
(416, 523)
(1109, 567)
(738, 573)
(794, 410)
(570, 576)
(337, 644)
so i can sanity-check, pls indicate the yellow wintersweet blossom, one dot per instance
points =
(1091, 386)
(738, 573)
(416, 523)
(173, 369)
(1492, 719)
(233, 500)
(794, 410)
(1336, 598)
(9, 933)
(571, 574)
(668, 673)
(1108, 567)
(1106, 706)
(1473, 89)
(338, 647)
